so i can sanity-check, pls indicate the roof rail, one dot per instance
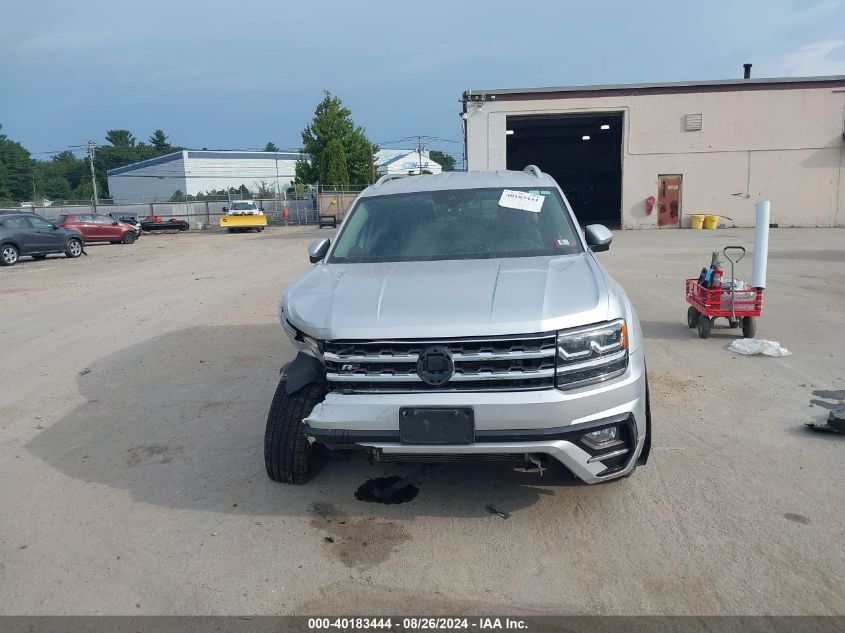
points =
(533, 169)
(387, 178)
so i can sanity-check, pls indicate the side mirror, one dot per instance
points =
(318, 248)
(115, 223)
(225, 209)
(598, 237)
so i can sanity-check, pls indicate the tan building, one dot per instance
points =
(651, 155)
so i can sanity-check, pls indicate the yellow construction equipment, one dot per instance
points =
(243, 222)
(243, 215)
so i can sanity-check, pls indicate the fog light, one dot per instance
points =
(602, 436)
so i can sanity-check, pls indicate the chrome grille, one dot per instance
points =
(500, 364)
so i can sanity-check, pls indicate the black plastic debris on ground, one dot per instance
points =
(494, 510)
(387, 490)
(836, 418)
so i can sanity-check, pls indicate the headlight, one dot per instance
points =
(301, 341)
(591, 354)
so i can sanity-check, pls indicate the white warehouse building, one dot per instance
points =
(405, 161)
(193, 172)
(652, 155)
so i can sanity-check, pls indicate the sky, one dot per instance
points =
(235, 75)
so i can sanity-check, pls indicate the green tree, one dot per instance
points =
(16, 170)
(333, 168)
(120, 138)
(333, 121)
(85, 191)
(271, 147)
(444, 160)
(56, 179)
(160, 141)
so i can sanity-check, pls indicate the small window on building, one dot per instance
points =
(692, 122)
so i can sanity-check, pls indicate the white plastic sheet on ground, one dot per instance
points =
(751, 346)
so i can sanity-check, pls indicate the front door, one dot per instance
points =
(669, 201)
(107, 228)
(47, 237)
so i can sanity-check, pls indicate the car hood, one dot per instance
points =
(485, 297)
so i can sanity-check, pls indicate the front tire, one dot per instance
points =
(9, 255)
(128, 238)
(692, 317)
(73, 248)
(287, 452)
(704, 325)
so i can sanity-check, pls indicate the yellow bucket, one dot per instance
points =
(711, 221)
(696, 221)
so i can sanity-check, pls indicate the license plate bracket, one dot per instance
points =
(436, 425)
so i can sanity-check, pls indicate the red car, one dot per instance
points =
(99, 228)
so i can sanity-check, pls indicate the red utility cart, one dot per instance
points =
(740, 306)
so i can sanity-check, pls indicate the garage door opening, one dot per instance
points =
(582, 152)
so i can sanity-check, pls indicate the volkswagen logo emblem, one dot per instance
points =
(435, 366)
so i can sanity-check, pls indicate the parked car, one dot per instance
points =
(128, 217)
(96, 227)
(29, 234)
(462, 316)
(155, 223)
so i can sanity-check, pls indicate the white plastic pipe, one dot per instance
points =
(761, 243)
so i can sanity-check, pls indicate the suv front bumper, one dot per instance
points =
(550, 422)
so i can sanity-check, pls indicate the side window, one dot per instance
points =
(102, 219)
(84, 219)
(40, 223)
(16, 223)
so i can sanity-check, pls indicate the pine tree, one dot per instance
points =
(333, 121)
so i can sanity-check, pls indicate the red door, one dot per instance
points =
(107, 228)
(669, 201)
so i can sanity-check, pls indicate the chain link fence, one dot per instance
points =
(301, 210)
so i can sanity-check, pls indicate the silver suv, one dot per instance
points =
(462, 316)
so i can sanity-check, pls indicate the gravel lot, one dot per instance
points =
(138, 487)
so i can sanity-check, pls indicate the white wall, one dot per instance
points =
(156, 182)
(196, 172)
(206, 174)
(785, 145)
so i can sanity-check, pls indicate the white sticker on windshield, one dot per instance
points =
(521, 200)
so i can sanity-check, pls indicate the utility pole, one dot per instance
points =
(91, 146)
(419, 153)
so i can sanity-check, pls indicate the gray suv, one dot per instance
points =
(462, 316)
(24, 234)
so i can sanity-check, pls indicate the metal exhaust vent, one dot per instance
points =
(692, 122)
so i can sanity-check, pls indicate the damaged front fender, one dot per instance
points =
(302, 370)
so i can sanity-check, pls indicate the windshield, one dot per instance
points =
(457, 224)
(243, 206)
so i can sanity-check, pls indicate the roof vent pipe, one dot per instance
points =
(747, 73)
